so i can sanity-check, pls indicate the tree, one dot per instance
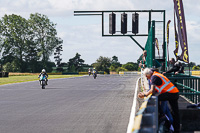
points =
(102, 64)
(44, 36)
(14, 31)
(75, 64)
(114, 59)
(26, 42)
(130, 66)
(57, 55)
(114, 64)
(192, 64)
(121, 69)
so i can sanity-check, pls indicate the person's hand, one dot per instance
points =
(163, 72)
(176, 73)
(141, 95)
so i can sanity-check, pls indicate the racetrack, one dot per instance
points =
(71, 105)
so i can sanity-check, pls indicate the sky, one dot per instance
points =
(83, 34)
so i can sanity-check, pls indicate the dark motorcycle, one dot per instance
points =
(89, 73)
(43, 81)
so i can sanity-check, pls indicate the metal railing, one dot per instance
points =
(188, 86)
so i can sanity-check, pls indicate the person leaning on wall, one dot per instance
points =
(177, 67)
(166, 91)
(142, 63)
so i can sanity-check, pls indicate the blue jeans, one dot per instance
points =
(166, 110)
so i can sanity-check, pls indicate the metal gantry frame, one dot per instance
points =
(102, 14)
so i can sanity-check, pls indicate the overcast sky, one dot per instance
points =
(83, 34)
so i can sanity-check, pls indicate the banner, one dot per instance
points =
(168, 38)
(182, 34)
(156, 42)
(176, 39)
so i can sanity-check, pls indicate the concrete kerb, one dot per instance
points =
(132, 115)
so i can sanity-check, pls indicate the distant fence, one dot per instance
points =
(128, 72)
(81, 73)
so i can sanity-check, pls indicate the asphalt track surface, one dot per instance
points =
(71, 105)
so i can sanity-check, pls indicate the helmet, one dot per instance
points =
(43, 70)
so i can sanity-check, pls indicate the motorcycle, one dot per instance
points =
(89, 73)
(94, 75)
(43, 81)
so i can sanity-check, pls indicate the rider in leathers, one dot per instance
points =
(44, 72)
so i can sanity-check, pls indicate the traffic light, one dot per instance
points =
(124, 23)
(135, 23)
(112, 23)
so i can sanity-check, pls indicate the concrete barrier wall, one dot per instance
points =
(146, 119)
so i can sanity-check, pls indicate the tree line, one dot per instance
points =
(106, 64)
(27, 44)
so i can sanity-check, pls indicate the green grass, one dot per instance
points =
(19, 79)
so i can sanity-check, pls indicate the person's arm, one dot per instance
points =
(47, 75)
(150, 91)
(180, 68)
(170, 70)
(39, 75)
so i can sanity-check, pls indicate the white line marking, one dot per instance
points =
(132, 116)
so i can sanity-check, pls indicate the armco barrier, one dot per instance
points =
(146, 119)
(54, 73)
(70, 73)
(128, 72)
(81, 73)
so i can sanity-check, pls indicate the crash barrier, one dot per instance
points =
(86, 73)
(54, 73)
(187, 85)
(4, 74)
(146, 119)
(195, 72)
(128, 73)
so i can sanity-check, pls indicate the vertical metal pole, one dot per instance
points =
(102, 23)
(198, 90)
(149, 25)
(153, 45)
(196, 80)
(189, 69)
(164, 43)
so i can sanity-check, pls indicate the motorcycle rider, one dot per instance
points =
(89, 71)
(45, 74)
(94, 71)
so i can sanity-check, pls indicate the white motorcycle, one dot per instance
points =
(43, 81)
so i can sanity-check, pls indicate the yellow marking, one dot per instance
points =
(144, 105)
(137, 124)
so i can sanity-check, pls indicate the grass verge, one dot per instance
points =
(19, 79)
